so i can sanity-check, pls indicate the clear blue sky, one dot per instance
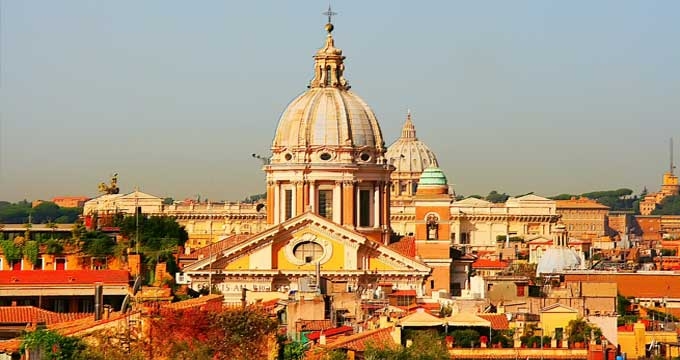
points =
(516, 96)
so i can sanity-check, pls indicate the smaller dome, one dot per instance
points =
(557, 259)
(433, 176)
(408, 154)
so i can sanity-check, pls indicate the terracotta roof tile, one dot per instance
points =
(489, 264)
(358, 342)
(330, 332)
(62, 277)
(207, 302)
(32, 314)
(10, 346)
(403, 293)
(498, 321)
(312, 325)
(580, 203)
(406, 246)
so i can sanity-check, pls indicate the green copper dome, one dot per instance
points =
(432, 176)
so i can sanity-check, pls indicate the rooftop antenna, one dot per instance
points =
(672, 165)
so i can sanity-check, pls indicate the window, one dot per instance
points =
(520, 290)
(309, 251)
(15, 265)
(464, 238)
(414, 187)
(38, 265)
(328, 75)
(288, 201)
(326, 203)
(402, 187)
(431, 284)
(364, 208)
(60, 264)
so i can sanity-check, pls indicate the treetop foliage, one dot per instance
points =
(668, 206)
(47, 211)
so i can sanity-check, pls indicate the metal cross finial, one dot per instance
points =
(329, 13)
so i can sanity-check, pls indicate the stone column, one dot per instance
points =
(277, 203)
(337, 202)
(270, 202)
(312, 196)
(293, 199)
(376, 205)
(348, 203)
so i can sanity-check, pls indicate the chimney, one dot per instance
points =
(322, 339)
(107, 312)
(98, 300)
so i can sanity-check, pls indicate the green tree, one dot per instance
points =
(96, 243)
(496, 197)
(293, 350)
(44, 212)
(52, 345)
(668, 206)
(168, 201)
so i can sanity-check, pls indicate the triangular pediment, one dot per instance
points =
(558, 308)
(471, 201)
(309, 227)
(139, 195)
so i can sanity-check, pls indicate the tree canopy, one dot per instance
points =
(668, 206)
(496, 197)
(617, 200)
(18, 213)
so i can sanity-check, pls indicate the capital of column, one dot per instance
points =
(349, 182)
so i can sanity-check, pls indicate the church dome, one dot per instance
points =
(557, 259)
(328, 122)
(433, 176)
(408, 154)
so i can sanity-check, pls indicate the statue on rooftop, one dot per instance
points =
(112, 188)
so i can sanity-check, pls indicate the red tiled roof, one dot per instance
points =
(498, 321)
(489, 264)
(206, 302)
(358, 342)
(403, 293)
(312, 325)
(330, 332)
(32, 314)
(406, 246)
(63, 277)
(10, 346)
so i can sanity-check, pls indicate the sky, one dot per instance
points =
(174, 96)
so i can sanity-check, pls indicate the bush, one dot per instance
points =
(465, 338)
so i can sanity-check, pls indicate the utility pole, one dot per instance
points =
(210, 285)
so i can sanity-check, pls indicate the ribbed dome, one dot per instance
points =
(328, 116)
(408, 154)
(432, 176)
(557, 259)
(328, 123)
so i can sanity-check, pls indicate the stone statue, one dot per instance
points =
(432, 227)
(110, 189)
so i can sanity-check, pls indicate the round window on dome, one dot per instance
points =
(325, 156)
(365, 156)
(288, 156)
